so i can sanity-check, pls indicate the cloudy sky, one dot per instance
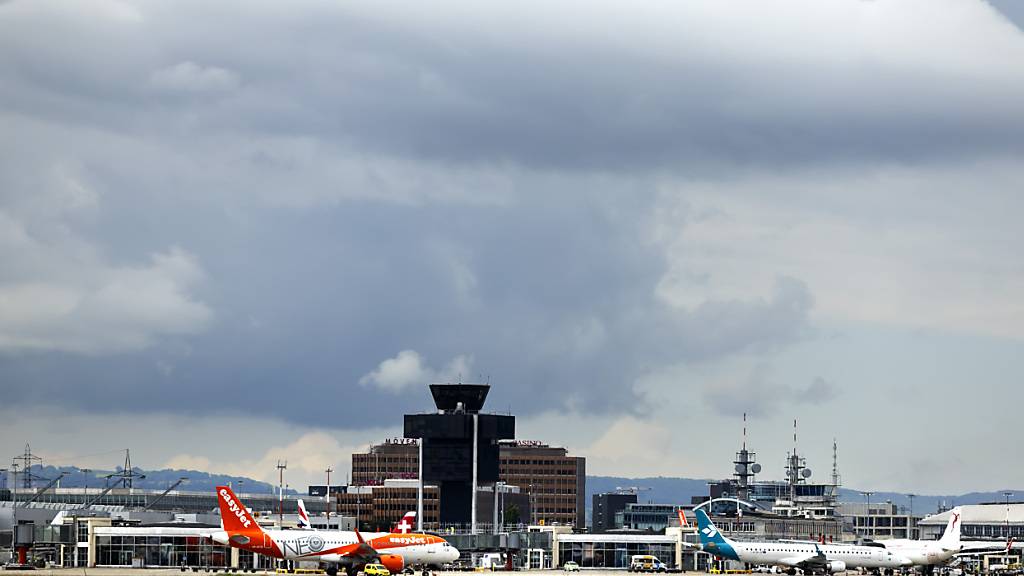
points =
(234, 232)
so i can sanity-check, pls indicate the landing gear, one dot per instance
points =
(351, 571)
(332, 571)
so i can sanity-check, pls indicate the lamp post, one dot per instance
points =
(327, 496)
(867, 511)
(910, 522)
(1007, 495)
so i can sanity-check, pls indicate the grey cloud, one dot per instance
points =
(820, 391)
(461, 86)
(562, 307)
(1014, 11)
(359, 180)
(760, 395)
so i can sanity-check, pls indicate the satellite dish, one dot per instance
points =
(755, 468)
(739, 468)
(806, 472)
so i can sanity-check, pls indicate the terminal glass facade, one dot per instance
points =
(171, 551)
(613, 554)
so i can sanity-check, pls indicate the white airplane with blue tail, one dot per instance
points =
(810, 558)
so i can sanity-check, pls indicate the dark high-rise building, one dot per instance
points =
(454, 439)
(606, 506)
(553, 482)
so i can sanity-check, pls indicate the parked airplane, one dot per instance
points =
(929, 553)
(346, 550)
(808, 557)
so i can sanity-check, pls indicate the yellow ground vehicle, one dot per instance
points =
(376, 570)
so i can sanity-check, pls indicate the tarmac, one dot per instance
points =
(177, 572)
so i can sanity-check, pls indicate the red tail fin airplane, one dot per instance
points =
(404, 526)
(343, 549)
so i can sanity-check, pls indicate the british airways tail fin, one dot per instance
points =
(304, 522)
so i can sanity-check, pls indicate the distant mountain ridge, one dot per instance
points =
(154, 479)
(656, 489)
(672, 490)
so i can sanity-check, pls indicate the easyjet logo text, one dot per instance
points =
(407, 540)
(235, 509)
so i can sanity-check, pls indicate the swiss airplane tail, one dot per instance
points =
(233, 514)
(951, 537)
(304, 522)
(405, 525)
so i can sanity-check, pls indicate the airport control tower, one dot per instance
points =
(455, 439)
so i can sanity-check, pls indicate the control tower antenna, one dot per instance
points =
(796, 468)
(836, 481)
(746, 466)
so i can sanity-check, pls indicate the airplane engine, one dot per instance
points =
(836, 566)
(393, 562)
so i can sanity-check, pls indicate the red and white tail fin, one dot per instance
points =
(406, 524)
(304, 522)
(233, 514)
(1009, 545)
(682, 518)
(950, 539)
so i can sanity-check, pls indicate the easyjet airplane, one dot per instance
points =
(343, 549)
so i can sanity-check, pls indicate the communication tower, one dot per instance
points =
(836, 479)
(797, 471)
(745, 466)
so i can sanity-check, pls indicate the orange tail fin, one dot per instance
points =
(233, 514)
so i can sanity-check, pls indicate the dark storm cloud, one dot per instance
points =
(311, 303)
(1014, 11)
(460, 86)
(349, 181)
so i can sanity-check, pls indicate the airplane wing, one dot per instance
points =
(808, 562)
(986, 547)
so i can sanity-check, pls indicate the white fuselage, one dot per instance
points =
(789, 554)
(921, 553)
(317, 545)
